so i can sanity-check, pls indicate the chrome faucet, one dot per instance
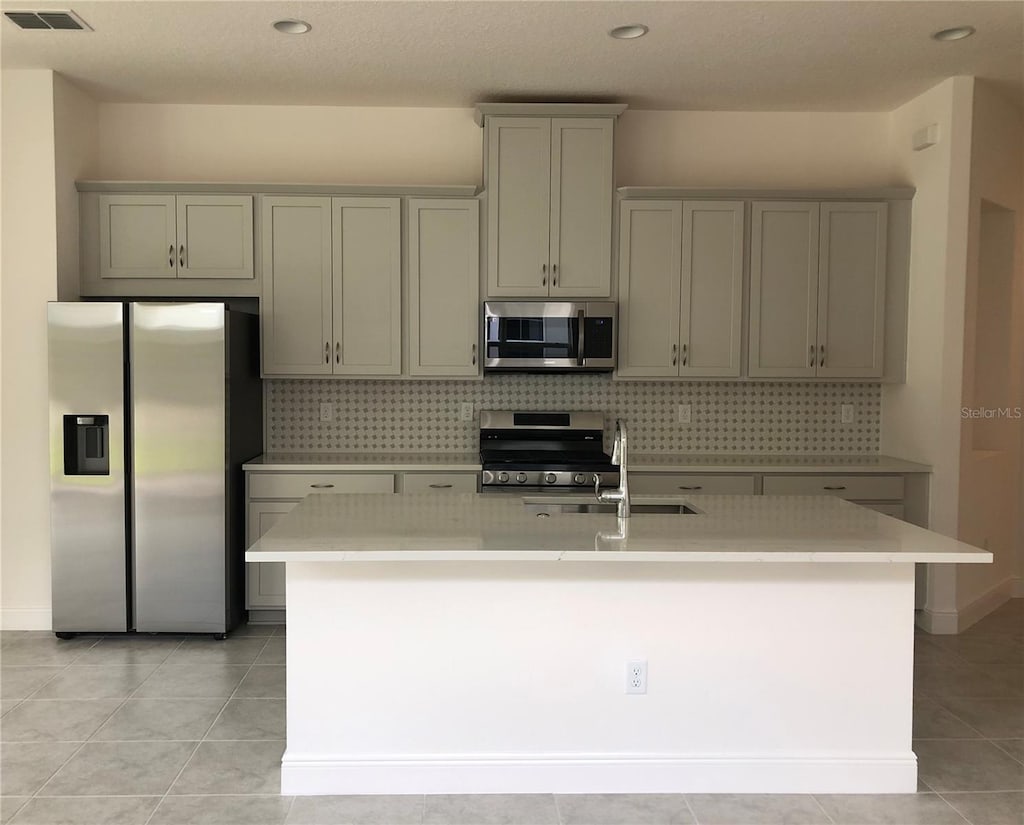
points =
(620, 495)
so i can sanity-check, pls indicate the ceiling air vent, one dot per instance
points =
(47, 20)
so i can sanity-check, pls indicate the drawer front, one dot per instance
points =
(669, 484)
(851, 487)
(895, 510)
(299, 485)
(439, 482)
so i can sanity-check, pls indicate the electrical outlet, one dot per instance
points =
(684, 414)
(636, 677)
(846, 413)
(466, 411)
(326, 412)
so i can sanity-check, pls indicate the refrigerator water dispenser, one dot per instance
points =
(86, 445)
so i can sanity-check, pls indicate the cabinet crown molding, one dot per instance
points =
(881, 193)
(484, 110)
(336, 189)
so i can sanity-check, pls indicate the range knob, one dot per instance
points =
(521, 478)
(503, 478)
(550, 478)
(579, 478)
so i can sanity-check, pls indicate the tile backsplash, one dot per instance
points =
(423, 416)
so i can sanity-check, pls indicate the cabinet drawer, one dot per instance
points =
(894, 510)
(851, 487)
(665, 484)
(299, 485)
(439, 483)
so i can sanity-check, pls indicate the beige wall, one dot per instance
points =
(993, 374)
(28, 279)
(921, 418)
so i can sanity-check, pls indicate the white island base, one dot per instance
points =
(510, 677)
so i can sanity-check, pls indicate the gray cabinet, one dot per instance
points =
(444, 286)
(680, 288)
(549, 199)
(817, 289)
(331, 286)
(176, 236)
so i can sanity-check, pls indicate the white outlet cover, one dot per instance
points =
(636, 677)
(326, 412)
(684, 414)
(466, 411)
(846, 413)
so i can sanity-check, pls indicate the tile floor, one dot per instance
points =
(155, 731)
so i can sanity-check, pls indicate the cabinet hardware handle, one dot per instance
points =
(181, 256)
(675, 349)
(822, 356)
(337, 352)
(474, 354)
(544, 272)
(170, 256)
(686, 355)
(321, 486)
(812, 356)
(327, 352)
(440, 486)
(694, 487)
(554, 274)
(839, 487)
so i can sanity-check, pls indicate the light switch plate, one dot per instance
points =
(326, 412)
(684, 414)
(466, 411)
(846, 414)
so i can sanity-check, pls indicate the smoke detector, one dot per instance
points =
(48, 20)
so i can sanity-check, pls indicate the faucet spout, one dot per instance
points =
(620, 495)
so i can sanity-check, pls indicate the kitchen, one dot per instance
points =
(809, 150)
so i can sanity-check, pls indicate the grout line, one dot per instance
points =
(822, 809)
(689, 807)
(558, 810)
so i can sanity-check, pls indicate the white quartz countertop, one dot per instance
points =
(481, 527)
(639, 462)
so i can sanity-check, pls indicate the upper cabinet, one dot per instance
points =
(549, 183)
(175, 236)
(680, 288)
(817, 289)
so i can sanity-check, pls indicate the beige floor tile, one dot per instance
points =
(97, 810)
(22, 682)
(932, 721)
(120, 769)
(273, 653)
(966, 765)
(130, 650)
(356, 810)
(263, 682)
(623, 809)
(159, 719)
(222, 810)
(757, 809)
(989, 808)
(232, 768)
(95, 682)
(1014, 747)
(490, 809)
(56, 720)
(250, 719)
(26, 766)
(995, 718)
(191, 681)
(890, 809)
(212, 651)
(9, 806)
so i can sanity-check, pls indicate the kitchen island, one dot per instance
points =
(477, 644)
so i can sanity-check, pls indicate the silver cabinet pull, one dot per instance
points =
(321, 486)
(822, 356)
(327, 352)
(675, 349)
(838, 487)
(694, 487)
(440, 486)
(544, 271)
(812, 356)
(473, 350)
(170, 256)
(337, 352)
(686, 356)
(554, 274)
(181, 256)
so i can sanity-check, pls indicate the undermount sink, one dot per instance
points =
(557, 509)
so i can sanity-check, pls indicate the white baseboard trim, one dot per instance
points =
(25, 618)
(988, 601)
(546, 773)
(937, 622)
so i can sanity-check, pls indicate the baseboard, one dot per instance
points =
(632, 773)
(266, 616)
(937, 622)
(25, 618)
(993, 598)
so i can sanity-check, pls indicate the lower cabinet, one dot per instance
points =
(674, 484)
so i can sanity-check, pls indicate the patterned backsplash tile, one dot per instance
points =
(423, 416)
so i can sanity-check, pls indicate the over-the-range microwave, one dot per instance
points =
(549, 336)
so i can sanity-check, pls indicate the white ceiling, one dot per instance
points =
(807, 55)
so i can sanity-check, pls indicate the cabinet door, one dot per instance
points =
(711, 289)
(138, 238)
(265, 586)
(649, 262)
(444, 286)
(214, 236)
(783, 289)
(581, 207)
(367, 286)
(518, 208)
(295, 312)
(851, 290)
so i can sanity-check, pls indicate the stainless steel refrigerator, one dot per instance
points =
(153, 409)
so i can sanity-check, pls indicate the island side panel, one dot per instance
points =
(499, 677)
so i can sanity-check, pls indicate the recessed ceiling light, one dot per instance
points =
(292, 26)
(630, 32)
(955, 33)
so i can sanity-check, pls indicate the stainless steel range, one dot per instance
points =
(550, 451)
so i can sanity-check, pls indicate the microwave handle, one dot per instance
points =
(579, 338)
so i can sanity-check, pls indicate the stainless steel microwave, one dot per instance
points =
(549, 336)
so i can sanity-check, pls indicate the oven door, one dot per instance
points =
(549, 336)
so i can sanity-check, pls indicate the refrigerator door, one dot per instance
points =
(178, 456)
(88, 556)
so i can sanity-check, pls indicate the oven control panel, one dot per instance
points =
(545, 478)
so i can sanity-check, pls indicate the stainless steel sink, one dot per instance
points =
(557, 509)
